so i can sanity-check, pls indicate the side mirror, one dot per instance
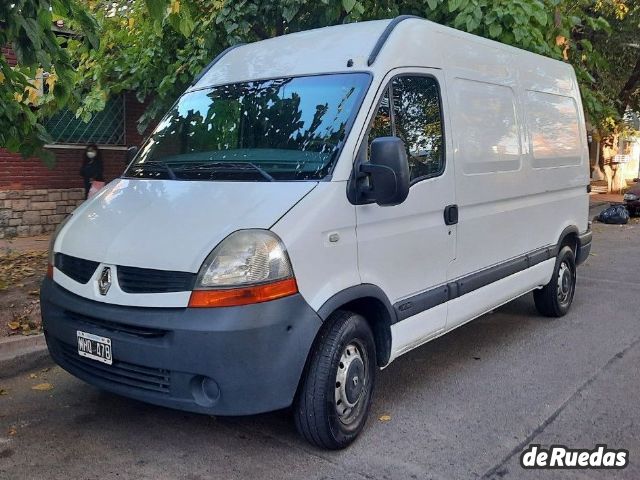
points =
(388, 172)
(131, 153)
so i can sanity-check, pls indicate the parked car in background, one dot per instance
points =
(632, 199)
(313, 207)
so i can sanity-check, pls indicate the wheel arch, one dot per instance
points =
(372, 303)
(569, 236)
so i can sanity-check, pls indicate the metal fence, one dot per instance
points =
(105, 128)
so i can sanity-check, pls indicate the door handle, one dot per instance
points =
(451, 214)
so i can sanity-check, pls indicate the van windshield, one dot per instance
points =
(266, 130)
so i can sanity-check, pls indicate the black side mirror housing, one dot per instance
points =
(388, 172)
(131, 153)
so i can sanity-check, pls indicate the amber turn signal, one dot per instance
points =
(50, 271)
(231, 297)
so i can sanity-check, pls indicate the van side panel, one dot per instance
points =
(520, 153)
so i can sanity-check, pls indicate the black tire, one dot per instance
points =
(320, 396)
(554, 299)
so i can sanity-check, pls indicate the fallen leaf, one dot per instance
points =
(13, 325)
(33, 375)
(385, 418)
(12, 430)
(42, 387)
(3, 391)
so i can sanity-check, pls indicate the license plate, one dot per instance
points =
(94, 347)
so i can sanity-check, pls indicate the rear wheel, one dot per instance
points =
(335, 395)
(554, 299)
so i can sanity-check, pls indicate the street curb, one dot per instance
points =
(19, 354)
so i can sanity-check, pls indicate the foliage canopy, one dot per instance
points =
(156, 47)
(27, 27)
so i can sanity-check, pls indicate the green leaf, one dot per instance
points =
(586, 44)
(186, 25)
(432, 4)
(541, 17)
(156, 8)
(453, 5)
(32, 29)
(290, 12)
(495, 30)
(348, 5)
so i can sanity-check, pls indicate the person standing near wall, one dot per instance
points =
(92, 168)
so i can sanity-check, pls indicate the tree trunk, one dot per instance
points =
(625, 94)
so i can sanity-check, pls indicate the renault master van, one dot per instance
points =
(314, 206)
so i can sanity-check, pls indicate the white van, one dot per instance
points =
(314, 206)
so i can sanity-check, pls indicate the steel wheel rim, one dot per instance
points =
(565, 283)
(351, 384)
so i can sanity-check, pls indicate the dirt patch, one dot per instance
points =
(20, 277)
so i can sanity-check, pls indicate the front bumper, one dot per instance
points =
(221, 361)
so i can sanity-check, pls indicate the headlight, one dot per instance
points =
(630, 197)
(52, 242)
(249, 266)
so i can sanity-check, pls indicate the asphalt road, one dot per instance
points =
(461, 407)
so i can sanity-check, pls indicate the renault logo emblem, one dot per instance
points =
(104, 282)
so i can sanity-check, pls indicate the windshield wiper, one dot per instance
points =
(222, 166)
(260, 170)
(154, 164)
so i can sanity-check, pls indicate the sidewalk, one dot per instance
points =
(24, 244)
(597, 199)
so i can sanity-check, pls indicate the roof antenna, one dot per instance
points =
(350, 62)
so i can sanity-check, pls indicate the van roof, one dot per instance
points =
(320, 50)
(411, 41)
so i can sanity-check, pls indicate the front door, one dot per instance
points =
(406, 249)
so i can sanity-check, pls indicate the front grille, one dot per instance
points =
(130, 279)
(79, 269)
(123, 373)
(138, 331)
(147, 280)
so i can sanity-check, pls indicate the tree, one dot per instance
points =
(26, 95)
(606, 54)
(156, 47)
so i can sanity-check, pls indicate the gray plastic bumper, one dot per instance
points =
(222, 361)
(584, 246)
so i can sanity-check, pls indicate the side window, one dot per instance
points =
(382, 123)
(417, 120)
(416, 107)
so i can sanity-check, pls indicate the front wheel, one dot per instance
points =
(333, 402)
(554, 299)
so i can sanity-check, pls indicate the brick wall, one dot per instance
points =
(17, 173)
(9, 55)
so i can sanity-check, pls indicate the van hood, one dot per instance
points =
(170, 224)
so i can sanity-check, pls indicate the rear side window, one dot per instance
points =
(484, 115)
(554, 130)
(413, 115)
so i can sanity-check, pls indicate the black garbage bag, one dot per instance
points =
(615, 214)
